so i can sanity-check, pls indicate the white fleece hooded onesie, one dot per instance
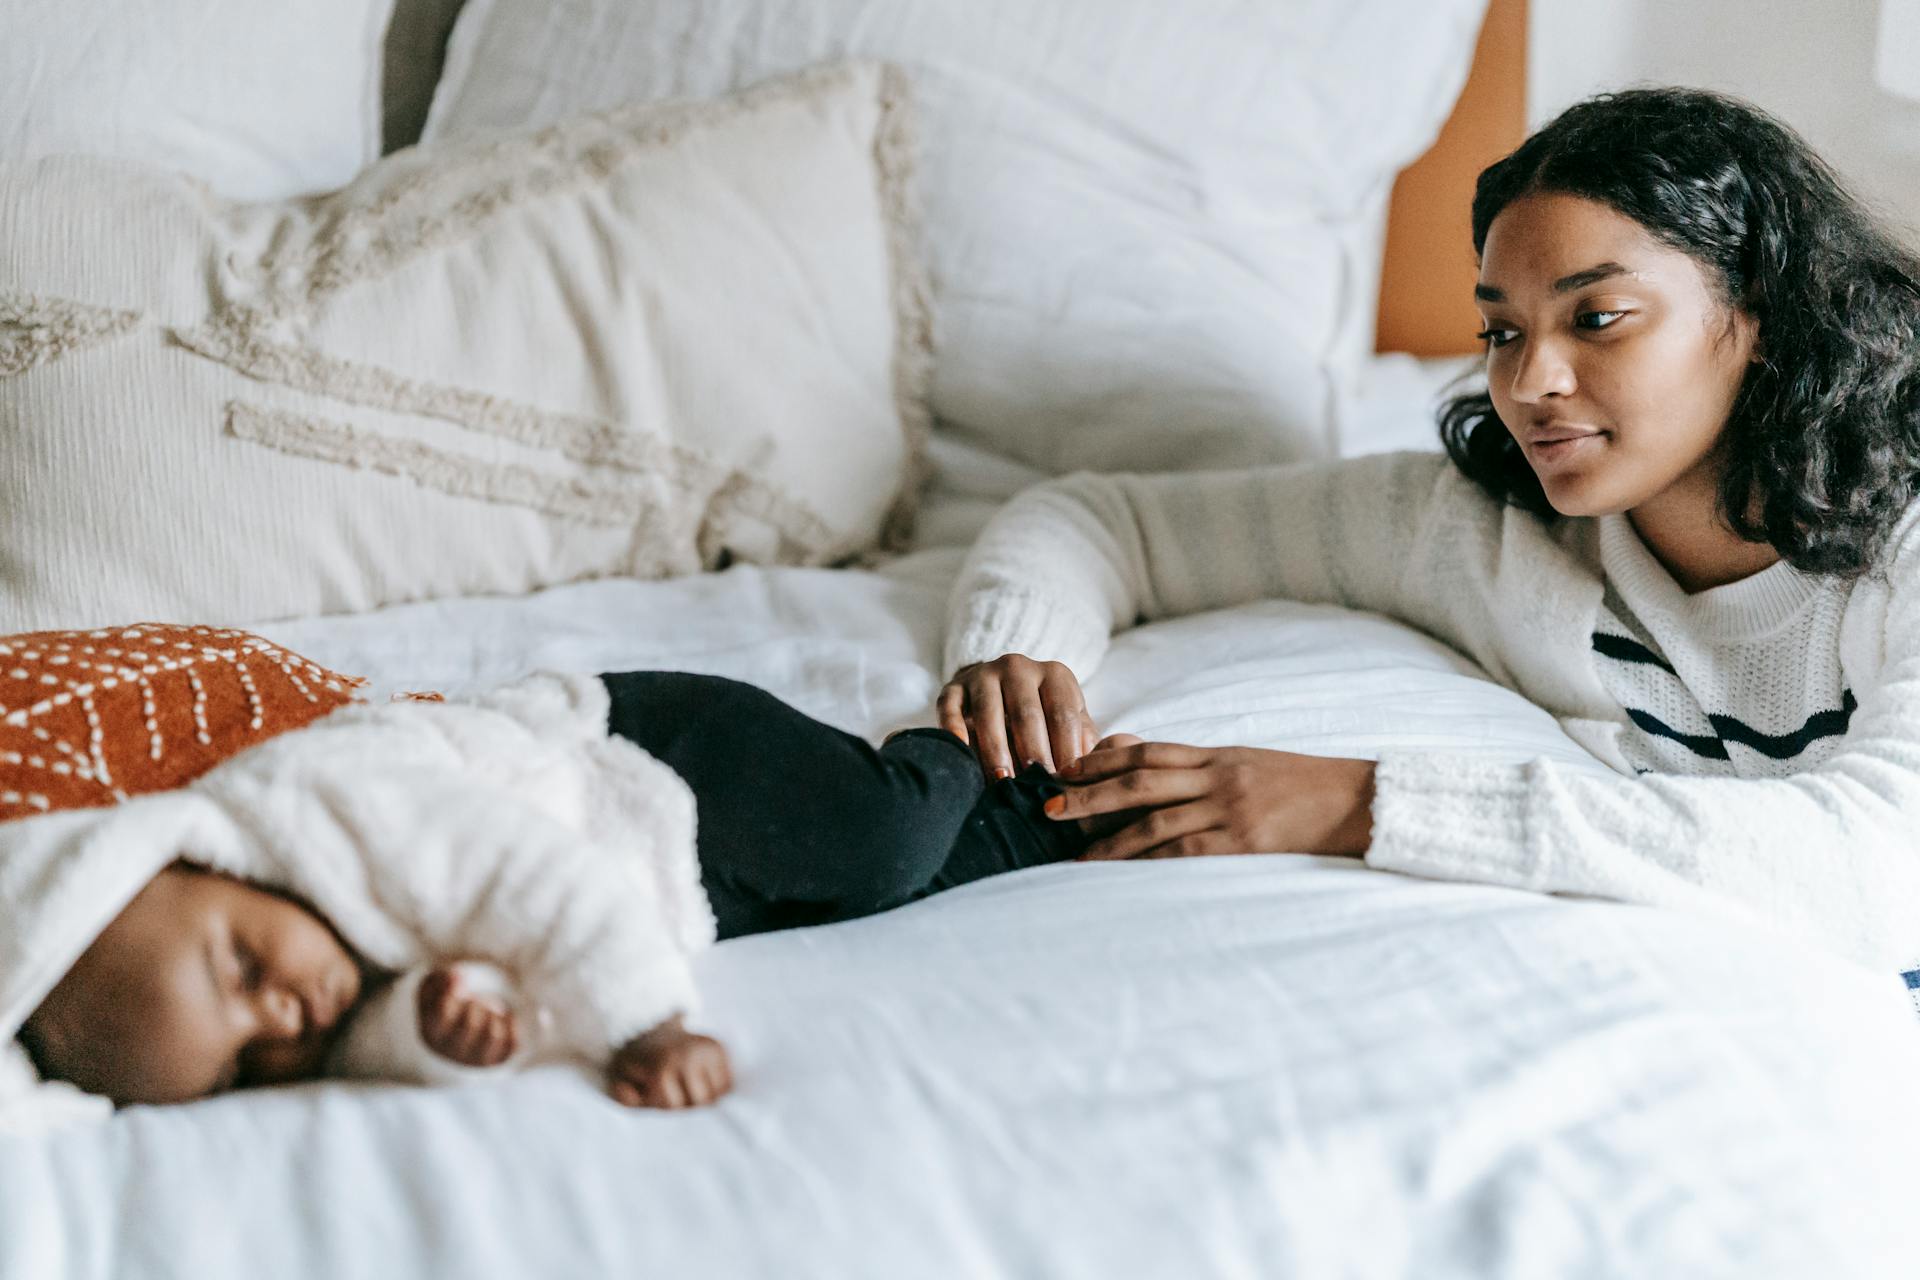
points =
(508, 827)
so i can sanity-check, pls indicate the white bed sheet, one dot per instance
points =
(1252, 1066)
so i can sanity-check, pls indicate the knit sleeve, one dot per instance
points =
(1069, 562)
(1831, 854)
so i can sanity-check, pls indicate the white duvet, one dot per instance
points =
(1255, 1066)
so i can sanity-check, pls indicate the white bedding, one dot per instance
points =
(1254, 1066)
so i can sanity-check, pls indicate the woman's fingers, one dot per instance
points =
(952, 707)
(1178, 831)
(1025, 697)
(1124, 753)
(1016, 712)
(1069, 728)
(986, 715)
(1133, 789)
(1027, 722)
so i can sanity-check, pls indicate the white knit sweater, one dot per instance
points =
(1801, 693)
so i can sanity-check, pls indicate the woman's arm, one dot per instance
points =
(1069, 562)
(1831, 854)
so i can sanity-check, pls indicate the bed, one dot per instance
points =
(1267, 1065)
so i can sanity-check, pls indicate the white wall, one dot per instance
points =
(1810, 62)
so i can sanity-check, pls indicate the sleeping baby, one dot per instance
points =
(425, 890)
(205, 983)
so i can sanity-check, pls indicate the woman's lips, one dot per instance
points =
(1559, 449)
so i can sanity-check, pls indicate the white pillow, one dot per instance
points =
(258, 100)
(644, 342)
(1155, 226)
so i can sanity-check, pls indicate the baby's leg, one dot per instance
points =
(801, 823)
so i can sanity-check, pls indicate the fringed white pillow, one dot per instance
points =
(640, 342)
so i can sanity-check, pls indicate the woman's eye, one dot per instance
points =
(1597, 319)
(1496, 337)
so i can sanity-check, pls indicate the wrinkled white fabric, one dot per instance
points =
(1218, 1066)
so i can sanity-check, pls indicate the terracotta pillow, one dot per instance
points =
(88, 718)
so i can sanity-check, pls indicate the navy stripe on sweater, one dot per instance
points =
(1700, 744)
(1821, 724)
(1781, 746)
(1629, 651)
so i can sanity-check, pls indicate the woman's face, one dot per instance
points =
(1611, 359)
(200, 983)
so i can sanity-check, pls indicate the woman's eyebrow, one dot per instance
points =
(1565, 284)
(1592, 275)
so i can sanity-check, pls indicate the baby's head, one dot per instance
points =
(201, 983)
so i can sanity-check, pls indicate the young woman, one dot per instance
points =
(1681, 518)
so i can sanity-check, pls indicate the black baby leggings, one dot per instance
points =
(800, 823)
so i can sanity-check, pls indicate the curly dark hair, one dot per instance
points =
(1824, 434)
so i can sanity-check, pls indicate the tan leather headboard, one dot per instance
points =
(1426, 285)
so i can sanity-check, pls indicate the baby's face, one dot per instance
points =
(201, 983)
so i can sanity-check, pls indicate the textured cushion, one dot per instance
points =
(88, 718)
(642, 342)
(260, 101)
(1156, 226)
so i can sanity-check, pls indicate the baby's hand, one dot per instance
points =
(466, 1028)
(669, 1066)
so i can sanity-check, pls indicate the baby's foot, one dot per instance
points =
(459, 1025)
(669, 1066)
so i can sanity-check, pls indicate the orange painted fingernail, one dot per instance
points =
(1055, 806)
(1001, 773)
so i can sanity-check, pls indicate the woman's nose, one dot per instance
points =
(1542, 371)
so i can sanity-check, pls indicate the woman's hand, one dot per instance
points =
(669, 1067)
(1014, 712)
(1188, 801)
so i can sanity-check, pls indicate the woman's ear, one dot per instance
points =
(1745, 328)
